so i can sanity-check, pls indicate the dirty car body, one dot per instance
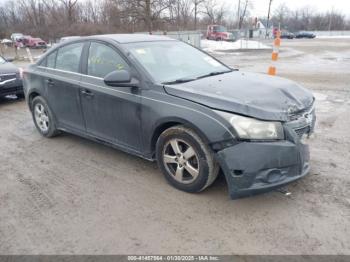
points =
(255, 125)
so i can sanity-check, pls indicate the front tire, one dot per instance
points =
(186, 161)
(43, 117)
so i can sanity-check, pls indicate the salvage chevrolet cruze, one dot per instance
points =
(164, 100)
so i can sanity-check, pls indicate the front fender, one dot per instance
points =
(159, 108)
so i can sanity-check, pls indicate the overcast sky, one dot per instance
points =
(261, 6)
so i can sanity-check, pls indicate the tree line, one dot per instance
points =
(308, 19)
(52, 19)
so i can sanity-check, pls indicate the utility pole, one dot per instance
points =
(238, 13)
(268, 17)
(195, 14)
(178, 16)
(148, 16)
(330, 19)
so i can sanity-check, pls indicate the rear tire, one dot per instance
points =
(185, 160)
(43, 117)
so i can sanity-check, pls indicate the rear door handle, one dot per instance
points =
(87, 93)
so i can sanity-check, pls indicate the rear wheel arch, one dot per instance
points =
(32, 95)
(42, 113)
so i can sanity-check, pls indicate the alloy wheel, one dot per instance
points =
(41, 117)
(181, 161)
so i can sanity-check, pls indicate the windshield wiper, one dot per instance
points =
(184, 80)
(179, 81)
(214, 74)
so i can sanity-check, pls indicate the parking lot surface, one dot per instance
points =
(68, 195)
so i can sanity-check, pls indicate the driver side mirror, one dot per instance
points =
(120, 78)
(10, 60)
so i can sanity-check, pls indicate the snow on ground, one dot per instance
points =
(333, 36)
(223, 46)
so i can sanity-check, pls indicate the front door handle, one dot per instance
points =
(87, 93)
(50, 82)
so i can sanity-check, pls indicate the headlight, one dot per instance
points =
(250, 128)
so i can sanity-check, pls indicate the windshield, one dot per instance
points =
(2, 60)
(168, 61)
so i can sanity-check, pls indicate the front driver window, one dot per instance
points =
(104, 60)
(68, 57)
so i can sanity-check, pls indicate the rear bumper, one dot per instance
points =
(252, 168)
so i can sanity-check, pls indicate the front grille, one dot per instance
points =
(10, 90)
(5, 77)
(296, 115)
(302, 131)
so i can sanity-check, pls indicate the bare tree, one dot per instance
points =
(69, 6)
(52, 19)
(215, 12)
(281, 14)
(197, 4)
(243, 13)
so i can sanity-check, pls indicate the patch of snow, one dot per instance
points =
(320, 97)
(222, 46)
(6, 41)
(333, 36)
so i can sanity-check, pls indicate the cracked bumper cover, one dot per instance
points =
(257, 167)
(10, 88)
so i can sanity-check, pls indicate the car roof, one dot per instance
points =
(133, 38)
(119, 38)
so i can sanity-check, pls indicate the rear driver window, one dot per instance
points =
(68, 57)
(103, 60)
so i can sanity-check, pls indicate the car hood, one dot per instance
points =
(8, 68)
(255, 95)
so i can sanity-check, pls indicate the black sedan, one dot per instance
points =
(164, 100)
(287, 35)
(10, 79)
(305, 35)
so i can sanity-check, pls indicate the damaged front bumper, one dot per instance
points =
(11, 87)
(256, 167)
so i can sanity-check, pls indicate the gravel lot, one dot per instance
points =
(68, 195)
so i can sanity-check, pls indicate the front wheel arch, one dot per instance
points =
(171, 122)
(207, 167)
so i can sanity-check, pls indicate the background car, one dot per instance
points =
(10, 79)
(16, 36)
(287, 35)
(305, 35)
(32, 42)
(219, 33)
